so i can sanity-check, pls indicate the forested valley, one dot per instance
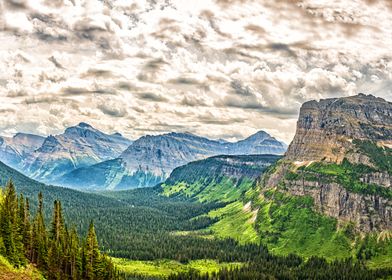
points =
(139, 225)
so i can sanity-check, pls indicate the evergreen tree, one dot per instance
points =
(92, 253)
(9, 227)
(57, 253)
(40, 242)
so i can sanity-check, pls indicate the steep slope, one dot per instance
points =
(219, 178)
(78, 146)
(326, 129)
(151, 159)
(13, 150)
(227, 180)
(8, 272)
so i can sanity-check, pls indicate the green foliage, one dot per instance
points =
(345, 174)
(380, 156)
(235, 221)
(56, 253)
(8, 271)
(291, 267)
(164, 268)
(287, 224)
(223, 190)
(220, 178)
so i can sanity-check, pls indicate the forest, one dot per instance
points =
(139, 225)
(56, 250)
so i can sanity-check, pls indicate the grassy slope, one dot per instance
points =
(234, 222)
(164, 268)
(383, 260)
(288, 225)
(7, 272)
(226, 190)
(285, 224)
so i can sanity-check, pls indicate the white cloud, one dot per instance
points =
(144, 66)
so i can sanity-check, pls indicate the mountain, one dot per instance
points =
(326, 129)
(78, 146)
(219, 178)
(341, 156)
(150, 159)
(14, 149)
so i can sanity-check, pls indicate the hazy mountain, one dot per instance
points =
(14, 149)
(151, 159)
(78, 146)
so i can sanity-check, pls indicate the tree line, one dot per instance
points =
(56, 251)
(291, 267)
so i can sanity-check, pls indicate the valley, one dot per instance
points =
(195, 140)
(263, 215)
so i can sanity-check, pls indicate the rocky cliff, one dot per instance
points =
(326, 129)
(14, 149)
(341, 156)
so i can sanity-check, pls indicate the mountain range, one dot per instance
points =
(13, 150)
(85, 158)
(150, 159)
(328, 196)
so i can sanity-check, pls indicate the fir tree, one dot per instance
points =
(92, 253)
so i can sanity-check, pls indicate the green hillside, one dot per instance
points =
(285, 223)
(220, 178)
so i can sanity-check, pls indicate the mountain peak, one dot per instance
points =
(84, 125)
(81, 129)
(326, 128)
(258, 136)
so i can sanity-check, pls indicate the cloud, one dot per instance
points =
(226, 68)
(112, 109)
(150, 96)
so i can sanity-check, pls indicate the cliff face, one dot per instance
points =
(341, 156)
(325, 129)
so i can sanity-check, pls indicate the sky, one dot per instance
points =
(216, 68)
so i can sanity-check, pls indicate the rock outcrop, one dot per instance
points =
(350, 139)
(326, 129)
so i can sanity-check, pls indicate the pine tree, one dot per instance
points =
(56, 258)
(92, 254)
(40, 242)
(8, 227)
(75, 267)
(27, 237)
(58, 252)
(19, 228)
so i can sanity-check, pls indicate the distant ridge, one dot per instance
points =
(150, 159)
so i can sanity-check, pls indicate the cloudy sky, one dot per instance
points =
(218, 68)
